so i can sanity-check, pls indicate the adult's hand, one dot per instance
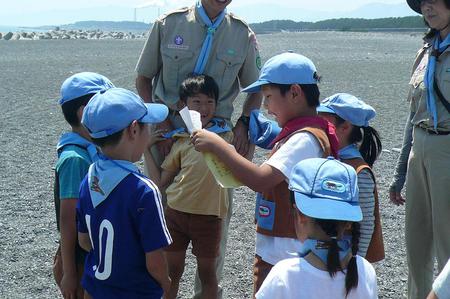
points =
(240, 139)
(165, 145)
(396, 198)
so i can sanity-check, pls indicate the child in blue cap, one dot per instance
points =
(360, 146)
(325, 197)
(289, 84)
(120, 215)
(196, 204)
(75, 154)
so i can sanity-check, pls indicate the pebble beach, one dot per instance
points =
(372, 66)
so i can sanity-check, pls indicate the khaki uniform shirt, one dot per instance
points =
(194, 189)
(172, 49)
(418, 93)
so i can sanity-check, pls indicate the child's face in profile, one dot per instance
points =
(341, 129)
(203, 104)
(277, 104)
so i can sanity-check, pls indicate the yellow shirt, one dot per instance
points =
(194, 189)
(174, 44)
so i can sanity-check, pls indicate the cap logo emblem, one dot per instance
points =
(333, 186)
(264, 211)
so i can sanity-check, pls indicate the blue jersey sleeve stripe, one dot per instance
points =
(158, 202)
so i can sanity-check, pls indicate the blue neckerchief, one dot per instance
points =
(429, 76)
(217, 125)
(262, 130)
(72, 138)
(349, 152)
(207, 43)
(320, 249)
(105, 174)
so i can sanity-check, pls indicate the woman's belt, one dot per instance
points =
(432, 131)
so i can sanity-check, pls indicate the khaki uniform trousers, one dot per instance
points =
(427, 210)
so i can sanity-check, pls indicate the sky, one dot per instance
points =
(54, 12)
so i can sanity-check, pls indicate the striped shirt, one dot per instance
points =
(366, 187)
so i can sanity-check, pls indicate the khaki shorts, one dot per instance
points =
(203, 230)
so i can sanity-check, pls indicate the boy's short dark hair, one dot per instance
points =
(195, 84)
(112, 139)
(311, 92)
(70, 108)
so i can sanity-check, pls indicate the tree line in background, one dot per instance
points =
(387, 24)
(413, 22)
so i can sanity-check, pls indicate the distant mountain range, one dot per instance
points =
(256, 14)
(412, 22)
(252, 14)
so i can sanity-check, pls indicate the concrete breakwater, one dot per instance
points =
(71, 34)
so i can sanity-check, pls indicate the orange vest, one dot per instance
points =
(375, 252)
(274, 216)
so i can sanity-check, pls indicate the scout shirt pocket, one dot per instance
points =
(417, 90)
(228, 67)
(176, 66)
(444, 82)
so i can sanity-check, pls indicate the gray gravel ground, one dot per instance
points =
(373, 66)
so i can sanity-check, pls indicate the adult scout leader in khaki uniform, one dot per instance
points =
(204, 39)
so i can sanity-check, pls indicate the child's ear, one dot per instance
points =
(80, 112)
(297, 92)
(133, 129)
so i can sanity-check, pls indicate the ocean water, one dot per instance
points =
(373, 66)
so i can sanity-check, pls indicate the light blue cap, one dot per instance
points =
(114, 109)
(81, 84)
(285, 68)
(262, 131)
(349, 108)
(326, 189)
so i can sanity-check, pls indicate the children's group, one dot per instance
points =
(124, 232)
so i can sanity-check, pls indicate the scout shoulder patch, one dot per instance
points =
(258, 62)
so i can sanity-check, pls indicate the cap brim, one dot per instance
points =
(255, 87)
(325, 109)
(322, 208)
(156, 113)
(415, 5)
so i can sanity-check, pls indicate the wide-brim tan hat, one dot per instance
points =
(415, 5)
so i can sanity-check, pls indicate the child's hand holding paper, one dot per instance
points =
(221, 173)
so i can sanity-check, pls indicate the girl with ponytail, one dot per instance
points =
(360, 146)
(325, 203)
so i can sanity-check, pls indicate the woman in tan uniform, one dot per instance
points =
(428, 176)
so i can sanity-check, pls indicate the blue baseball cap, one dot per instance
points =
(326, 189)
(349, 108)
(81, 84)
(285, 68)
(114, 109)
(262, 131)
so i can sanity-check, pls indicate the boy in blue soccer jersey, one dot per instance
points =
(120, 216)
(75, 154)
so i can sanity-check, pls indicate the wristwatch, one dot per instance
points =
(245, 120)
